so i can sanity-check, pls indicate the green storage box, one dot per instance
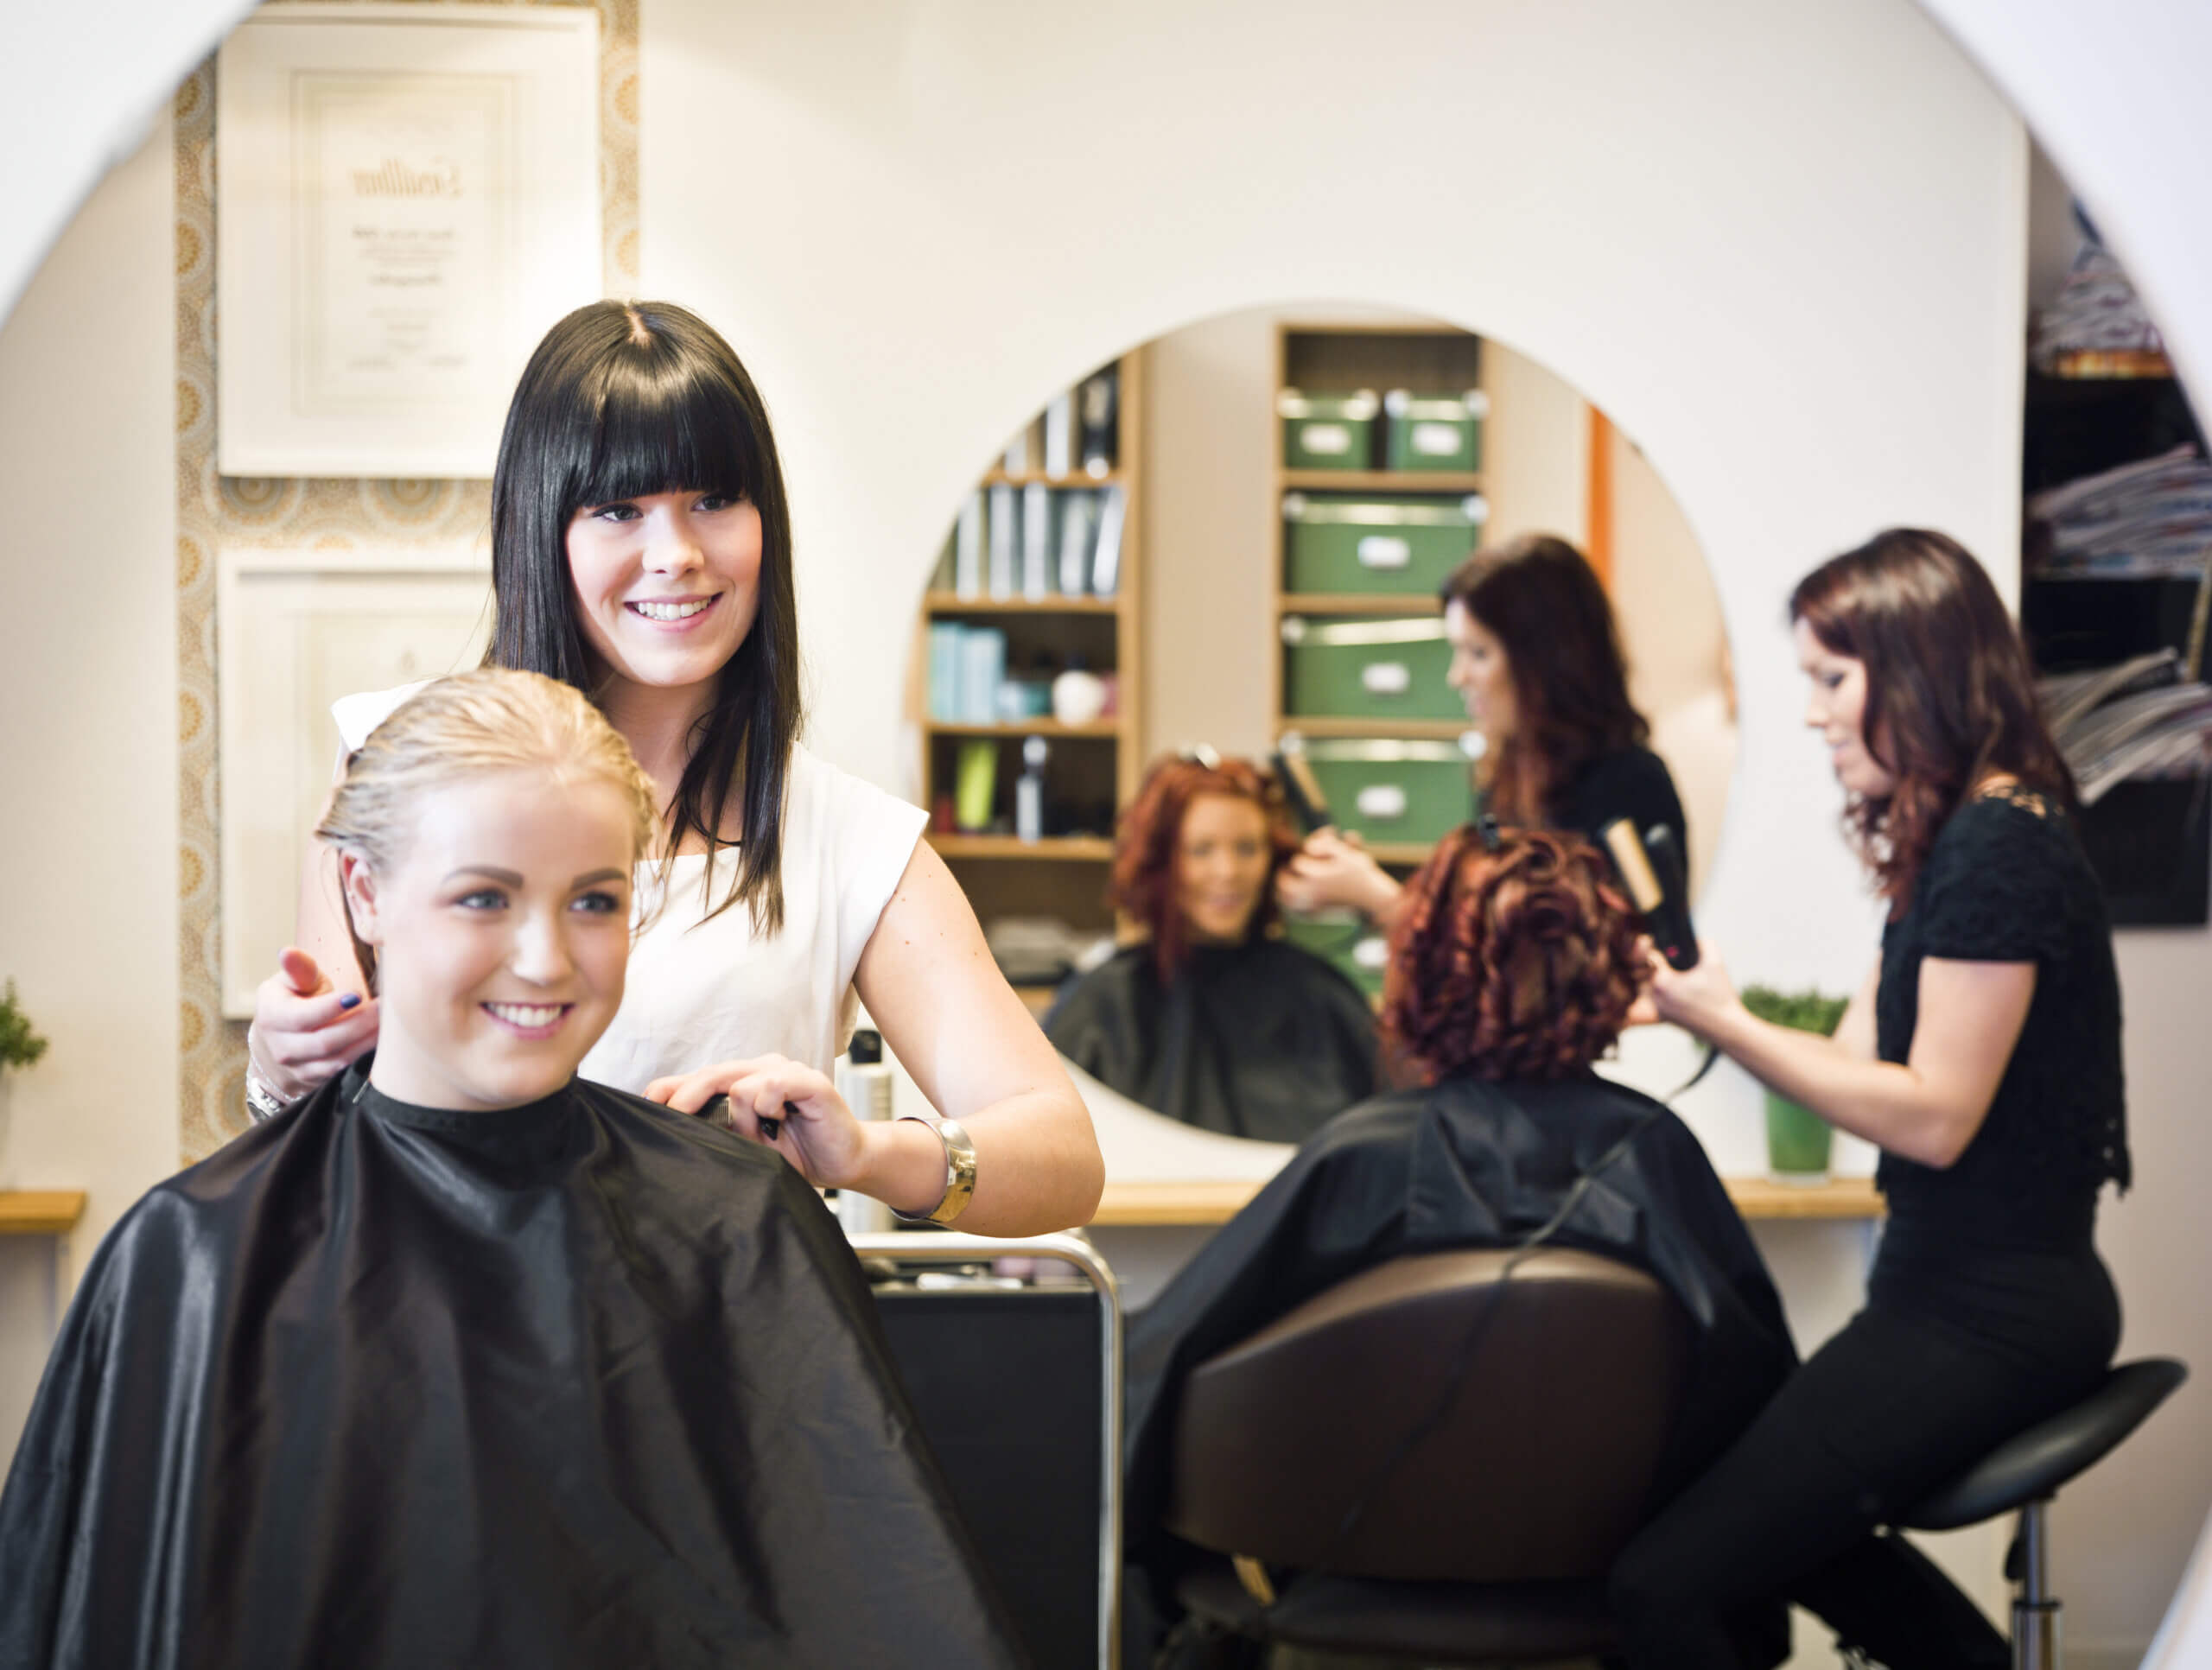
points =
(1390, 790)
(1392, 669)
(1346, 940)
(1439, 434)
(1335, 542)
(1328, 431)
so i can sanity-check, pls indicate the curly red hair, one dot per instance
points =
(1150, 834)
(1520, 963)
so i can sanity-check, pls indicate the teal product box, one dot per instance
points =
(1443, 434)
(1399, 544)
(944, 671)
(1391, 669)
(1390, 789)
(1328, 431)
(983, 668)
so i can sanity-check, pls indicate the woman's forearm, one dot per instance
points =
(1038, 1169)
(1890, 1104)
(1037, 1166)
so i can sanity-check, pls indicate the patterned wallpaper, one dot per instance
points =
(216, 511)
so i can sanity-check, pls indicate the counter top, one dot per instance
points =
(1129, 1204)
(40, 1211)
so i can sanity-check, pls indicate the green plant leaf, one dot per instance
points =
(1804, 1011)
(19, 1045)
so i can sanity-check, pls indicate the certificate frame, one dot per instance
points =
(295, 631)
(408, 197)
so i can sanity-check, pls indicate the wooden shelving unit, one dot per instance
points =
(1378, 481)
(1336, 358)
(1095, 767)
(1089, 849)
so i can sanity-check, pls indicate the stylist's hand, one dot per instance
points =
(305, 1029)
(1701, 1000)
(820, 1135)
(1331, 871)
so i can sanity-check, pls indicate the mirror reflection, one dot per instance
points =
(1415, 562)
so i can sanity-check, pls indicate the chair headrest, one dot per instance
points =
(1571, 1372)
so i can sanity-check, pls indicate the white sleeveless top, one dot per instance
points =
(701, 991)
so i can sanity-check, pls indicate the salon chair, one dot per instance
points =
(1491, 1507)
(2023, 1474)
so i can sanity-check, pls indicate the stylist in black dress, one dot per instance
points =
(1536, 656)
(1982, 1057)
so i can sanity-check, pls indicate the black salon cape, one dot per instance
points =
(1468, 1164)
(1260, 1040)
(581, 1383)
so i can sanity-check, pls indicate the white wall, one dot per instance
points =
(88, 881)
(62, 133)
(937, 219)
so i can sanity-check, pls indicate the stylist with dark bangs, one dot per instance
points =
(1982, 1057)
(1537, 657)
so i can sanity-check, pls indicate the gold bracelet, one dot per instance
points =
(959, 1171)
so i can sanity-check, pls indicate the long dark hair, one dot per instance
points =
(1950, 692)
(621, 400)
(1539, 598)
(1148, 845)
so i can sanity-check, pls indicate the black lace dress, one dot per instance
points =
(1987, 1307)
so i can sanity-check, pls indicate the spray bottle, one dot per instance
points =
(864, 1081)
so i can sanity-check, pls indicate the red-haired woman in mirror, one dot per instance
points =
(1982, 1057)
(1537, 657)
(1210, 1018)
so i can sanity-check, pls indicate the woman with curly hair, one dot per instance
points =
(1513, 965)
(1982, 1057)
(1209, 1018)
(1537, 657)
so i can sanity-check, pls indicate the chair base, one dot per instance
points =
(1460, 1624)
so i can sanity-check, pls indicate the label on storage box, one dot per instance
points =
(1435, 440)
(1387, 678)
(1382, 551)
(1329, 438)
(1378, 800)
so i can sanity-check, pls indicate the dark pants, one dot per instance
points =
(1958, 1350)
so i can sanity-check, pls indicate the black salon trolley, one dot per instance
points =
(1019, 1393)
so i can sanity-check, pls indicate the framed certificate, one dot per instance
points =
(296, 630)
(406, 198)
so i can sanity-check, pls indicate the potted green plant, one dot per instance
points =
(19, 1045)
(1797, 1140)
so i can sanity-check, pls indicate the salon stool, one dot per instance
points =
(2024, 1474)
(1485, 1539)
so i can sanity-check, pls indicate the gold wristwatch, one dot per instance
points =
(959, 1171)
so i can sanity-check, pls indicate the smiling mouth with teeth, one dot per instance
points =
(683, 611)
(537, 1019)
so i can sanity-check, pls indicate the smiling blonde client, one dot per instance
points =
(641, 552)
(462, 1359)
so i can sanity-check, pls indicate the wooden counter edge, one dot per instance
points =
(40, 1211)
(1129, 1205)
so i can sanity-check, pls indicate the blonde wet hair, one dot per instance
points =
(460, 729)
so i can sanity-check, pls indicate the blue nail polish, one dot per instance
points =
(349, 1000)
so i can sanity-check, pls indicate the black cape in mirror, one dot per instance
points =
(579, 1383)
(1260, 1040)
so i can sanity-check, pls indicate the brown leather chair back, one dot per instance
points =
(1539, 1470)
